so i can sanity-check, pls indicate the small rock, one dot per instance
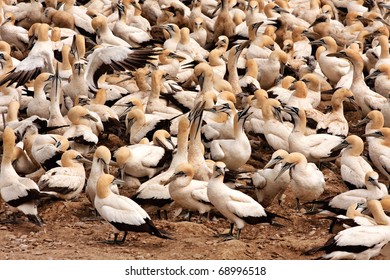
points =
(38, 253)
(312, 232)
(197, 256)
(10, 237)
(81, 225)
(3, 228)
(88, 232)
(24, 247)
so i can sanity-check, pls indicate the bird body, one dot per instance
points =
(239, 208)
(67, 181)
(121, 212)
(266, 187)
(307, 181)
(186, 192)
(234, 152)
(21, 193)
(315, 147)
(360, 242)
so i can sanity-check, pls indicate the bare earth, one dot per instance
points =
(72, 231)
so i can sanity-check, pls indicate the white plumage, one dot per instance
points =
(236, 206)
(120, 211)
(67, 181)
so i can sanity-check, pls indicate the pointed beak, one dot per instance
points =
(372, 75)
(90, 117)
(375, 134)
(374, 182)
(118, 182)
(362, 122)
(85, 160)
(284, 168)
(353, 102)
(337, 54)
(340, 146)
(273, 161)
(172, 178)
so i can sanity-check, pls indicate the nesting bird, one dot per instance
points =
(67, 181)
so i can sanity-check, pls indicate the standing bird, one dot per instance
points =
(188, 193)
(307, 181)
(20, 193)
(236, 206)
(266, 187)
(121, 212)
(379, 150)
(100, 165)
(233, 152)
(353, 166)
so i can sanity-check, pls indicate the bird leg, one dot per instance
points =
(159, 214)
(297, 207)
(189, 216)
(238, 234)
(116, 241)
(228, 236)
(124, 237)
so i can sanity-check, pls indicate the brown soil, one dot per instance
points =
(72, 231)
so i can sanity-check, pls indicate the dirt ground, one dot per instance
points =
(72, 230)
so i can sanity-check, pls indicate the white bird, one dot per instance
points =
(39, 105)
(353, 217)
(233, 152)
(315, 147)
(121, 212)
(239, 208)
(333, 122)
(80, 134)
(266, 187)
(307, 181)
(382, 79)
(299, 97)
(39, 59)
(360, 242)
(100, 165)
(353, 167)
(373, 190)
(117, 58)
(379, 150)
(333, 68)
(20, 193)
(145, 160)
(366, 98)
(153, 193)
(188, 193)
(276, 132)
(140, 127)
(134, 36)
(46, 149)
(67, 181)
